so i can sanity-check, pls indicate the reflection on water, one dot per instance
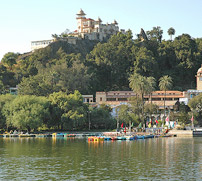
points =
(76, 159)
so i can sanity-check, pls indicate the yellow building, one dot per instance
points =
(115, 98)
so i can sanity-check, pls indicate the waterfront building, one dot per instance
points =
(116, 98)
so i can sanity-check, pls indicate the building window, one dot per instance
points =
(176, 99)
(169, 99)
(111, 99)
(100, 98)
(200, 78)
(122, 99)
(156, 99)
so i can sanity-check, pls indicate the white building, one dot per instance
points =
(91, 29)
(40, 44)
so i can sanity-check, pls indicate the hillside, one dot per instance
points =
(90, 66)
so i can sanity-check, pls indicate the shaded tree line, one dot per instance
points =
(58, 111)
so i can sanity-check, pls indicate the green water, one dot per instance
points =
(76, 159)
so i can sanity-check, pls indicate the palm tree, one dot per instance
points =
(141, 85)
(151, 87)
(165, 83)
(171, 31)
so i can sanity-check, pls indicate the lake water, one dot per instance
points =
(77, 159)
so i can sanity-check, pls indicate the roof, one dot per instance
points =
(81, 13)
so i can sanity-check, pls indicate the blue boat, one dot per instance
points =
(107, 139)
(149, 136)
(140, 137)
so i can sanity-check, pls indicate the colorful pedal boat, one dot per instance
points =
(95, 138)
(58, 135)
(114, 138)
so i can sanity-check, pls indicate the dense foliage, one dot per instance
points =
(60, 69)
(90, 66)
(59, 111)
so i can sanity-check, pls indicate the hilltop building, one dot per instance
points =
(40, 44)
(91, 29)
(87, 28)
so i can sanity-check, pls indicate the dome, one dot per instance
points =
(200, 70)
(81, 13)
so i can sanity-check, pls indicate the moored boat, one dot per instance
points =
(58, 135)
(149, 136)
(70, 135)
(114, 138)
(121, 138)
(26, 135)
(140, 137)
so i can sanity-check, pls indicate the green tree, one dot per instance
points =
(70, 110)
(141, 86)
(101, 118)
(145, 63)
(151, 109)
(155, 33)
(111, 62)
(4, 99)
(26, 112)
(171, 32)
(165, 83)
(125, 115)
(9, 59)
(39, 85)
(195, 104)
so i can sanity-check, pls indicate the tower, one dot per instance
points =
(199, 79)
(80, 17)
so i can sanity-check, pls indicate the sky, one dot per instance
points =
(23, 21)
